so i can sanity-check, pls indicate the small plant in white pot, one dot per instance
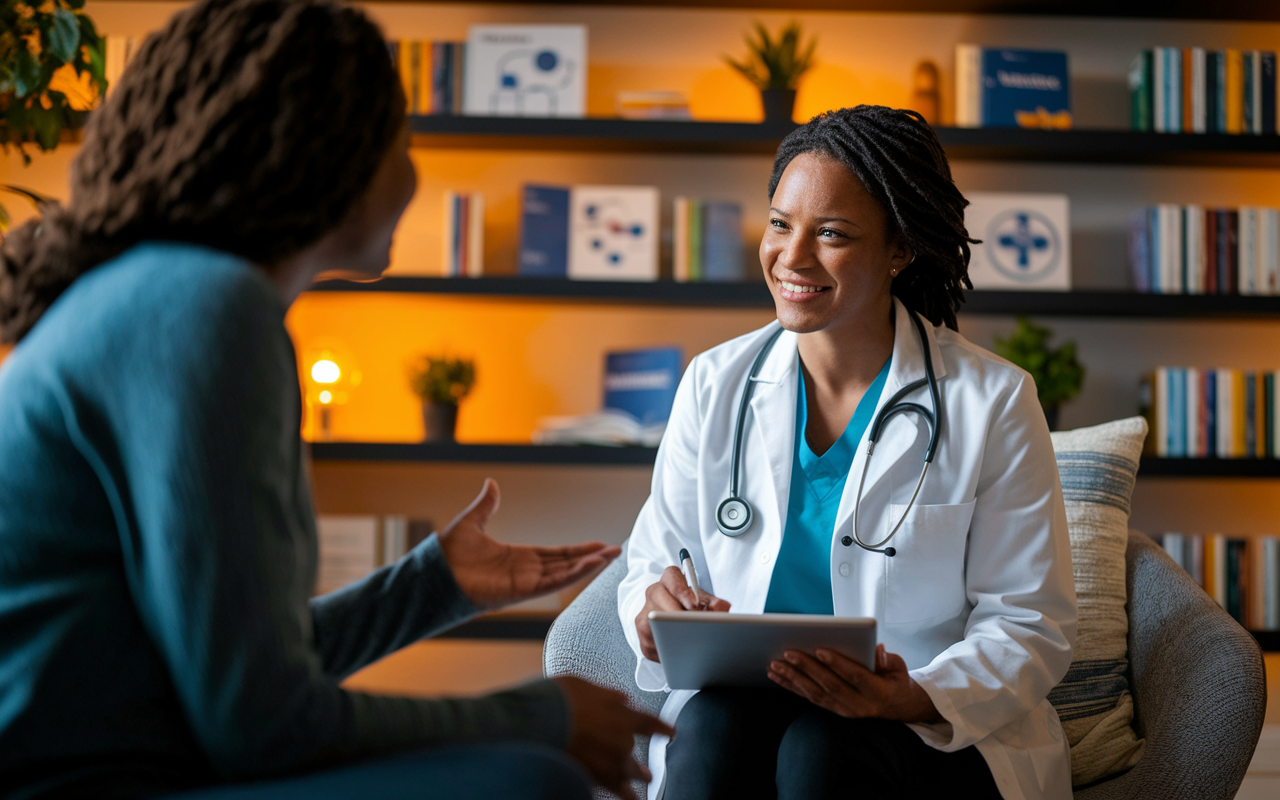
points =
(441, 383)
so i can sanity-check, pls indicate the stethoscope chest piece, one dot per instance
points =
(733, 517)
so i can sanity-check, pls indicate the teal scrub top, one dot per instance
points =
(801, 581)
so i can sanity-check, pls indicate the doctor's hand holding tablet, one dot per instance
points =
(875, 500)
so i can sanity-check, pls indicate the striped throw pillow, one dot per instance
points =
(1097, 467)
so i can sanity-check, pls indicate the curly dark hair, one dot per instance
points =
(251, 126)
(900, 161)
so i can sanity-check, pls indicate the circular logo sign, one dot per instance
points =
(1023, 245)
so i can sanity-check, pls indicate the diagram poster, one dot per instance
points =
(1026, 241)
(613, 233)
(526, 71)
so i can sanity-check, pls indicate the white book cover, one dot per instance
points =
(1192, 403)
(395, 538)
(1269, 250)
(1223, 417)
(1247, 238)
(1026, 241)
(525, 71)
(1194, 252)
(613, 233)
(348, 549)
(968, 94)
(1173, 546)
(1197, 90)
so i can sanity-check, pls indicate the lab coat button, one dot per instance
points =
(764, 558)
(845, 569)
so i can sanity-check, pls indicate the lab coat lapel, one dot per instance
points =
(900, 434)
(773, 410)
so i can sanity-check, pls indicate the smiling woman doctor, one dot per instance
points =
(966, 567)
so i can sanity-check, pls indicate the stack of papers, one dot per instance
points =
(608, 427)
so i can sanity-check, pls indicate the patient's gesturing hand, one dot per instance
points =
(492, 574)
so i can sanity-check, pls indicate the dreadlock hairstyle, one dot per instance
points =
(900, 161)
(252, 126)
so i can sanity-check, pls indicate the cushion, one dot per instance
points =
(1097, 467)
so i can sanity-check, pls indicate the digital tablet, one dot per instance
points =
(699, 649)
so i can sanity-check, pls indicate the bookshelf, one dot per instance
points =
(1119, 304)
(603, 134)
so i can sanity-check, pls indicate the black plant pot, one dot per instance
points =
(778, 105)
(439, 421)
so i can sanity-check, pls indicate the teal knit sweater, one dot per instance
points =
(158, 554)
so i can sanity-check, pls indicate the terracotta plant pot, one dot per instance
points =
(439, 421)
(778, 104)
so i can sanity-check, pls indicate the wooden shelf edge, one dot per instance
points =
(550, 455)
(1209, 467)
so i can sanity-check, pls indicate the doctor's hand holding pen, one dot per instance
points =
(845, 687)
(676, 590)
(493, 574)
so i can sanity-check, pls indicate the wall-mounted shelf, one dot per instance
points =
(644, 456)
(482, 453)
(1210, 467)
(598, 134)
(756, 295)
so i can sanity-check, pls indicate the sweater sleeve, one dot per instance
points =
(414, 598)
(194, 434)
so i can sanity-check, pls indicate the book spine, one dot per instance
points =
(1191, 427)
(968, 94)
(695, 240)
(1139, 252)
(1233, 578)
(475, 237)
(1271, 580)
(1246, 68)
(1210, 447)
(1267, 84)
(1234, 91)
(1222, 412)
(1211, 569)
(1198, 115)
(1238, 419)
(1187, 76)
(457, 76)
(1160, 90)
(1212, 94)
(1255, 94)
(1233, 251)
(680, 240)
(1260, 415)
(1174, 73)
(1197, 560)
(1250, 414)
(1162, 412)
(1140, 92)
(1247, 257)
(450, 238)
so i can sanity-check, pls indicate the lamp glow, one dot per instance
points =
(325, 371)
(326, 397)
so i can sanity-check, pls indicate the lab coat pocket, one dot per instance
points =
(925, 579)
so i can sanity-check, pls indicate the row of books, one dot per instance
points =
(463, 234)
(1193, 90)
(352, 546)
(1007, 88)
(1190, 249)
(707, 242)
(431, 74)
(1241, 575)
(1211, 413)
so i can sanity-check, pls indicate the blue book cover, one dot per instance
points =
(544, 232)
(1026, 81)
(1155, 251)
(1173, 90)
(1211, 410)
(722, 242)
(1177, 413)
(643, 382)
(1212, 97)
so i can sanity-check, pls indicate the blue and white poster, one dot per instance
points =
(613, 233)
(526, 71)
(1026, 241)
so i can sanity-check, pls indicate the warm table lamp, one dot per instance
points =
(330, 375)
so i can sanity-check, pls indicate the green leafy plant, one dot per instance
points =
(775, 63)
(1057, 373)
(441, 380)
(52, 71)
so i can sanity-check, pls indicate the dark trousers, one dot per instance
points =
(765, 743)
(462, 772)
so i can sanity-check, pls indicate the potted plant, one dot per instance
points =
(52, 72)
(1057, 373)
(441, 383)
(774, 66)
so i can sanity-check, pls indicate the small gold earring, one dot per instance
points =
(893, 273)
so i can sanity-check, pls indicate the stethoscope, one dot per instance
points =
(734, 516)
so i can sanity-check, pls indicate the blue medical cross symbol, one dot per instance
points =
(1024, 241)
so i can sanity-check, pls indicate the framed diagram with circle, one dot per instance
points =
(1026, 241)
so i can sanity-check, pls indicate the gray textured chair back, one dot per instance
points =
(1198, 679)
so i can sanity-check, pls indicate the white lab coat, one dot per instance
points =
(979, 600)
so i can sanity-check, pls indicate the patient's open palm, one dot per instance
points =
(492, 574)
